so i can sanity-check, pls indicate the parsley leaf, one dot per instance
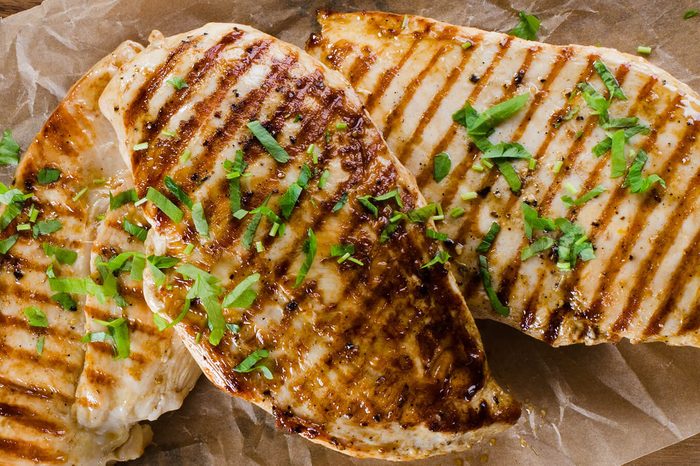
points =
(527, 27)
(309, 249)
(489, 238)
(534, 222)
(165, 205)
(138, 232)
(618, 161)
(268, 141)
(177, 82)
(7, 243)
(46, 227)
(242, 296)
(441, 166)
(125, 197)
(596, 102)
(36, 317)
(440, 258)
(252, 363)
(510, 175)
(63, 256)
(65, 301)
(200, 220)
(117, 331)
(592, 194)
(9, 149)
(603, 146)
(48, 175)
(488, 287)
(540, 245)
(609, 80)
(235, 171)
(341, 202)
(572, 245)
(507, 150)
(635, 180)
(206, 288)
(177, 191)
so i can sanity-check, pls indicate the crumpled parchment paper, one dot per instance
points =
(599, 405)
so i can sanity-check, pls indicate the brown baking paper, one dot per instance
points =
(599, 405)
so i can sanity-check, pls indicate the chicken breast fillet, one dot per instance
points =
(413, 74)
(367, 352)
(61, 403)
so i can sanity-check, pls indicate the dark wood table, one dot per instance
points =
(680, 454)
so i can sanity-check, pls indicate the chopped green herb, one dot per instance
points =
(249, 233)
(125, 197)
(506, 150)
(117, 332)
(40, 344)
(690, 14)
(253, 363)
(570, 114)
(635, 180)
(46, 227)
(510, 175)
(235, 170)
(11, 212)
(423, 214)
(441, 166)
(163, 325)
(24, 227)
(242, 296)
(488, 287)
(534, 222)
(138, 232)
(616, 123)
(207, 290)
(572, 245)
(309, 249)
(467, 45)
(168, 134)
(592, 194)
(200, 220)
(33, 214)
(486, 164)
(489, 238)
(177, 191)
(404, 22)
(339, 250)
(457, 212)
(609, 80)
(477, 167)
(540, 245)
(341, 126)
(323, 180)
(469, 195)
(618, 161)
(177, 82)
(7, 243)
(341, 202)
(63, 256)
(596, 102)
(9, 149)
(268, 141)
(80, 194)
(186, 154)
(603, 146)
(188, 249)
(480, 126)
(141, 146)
(440, 258)
(298, 118)
(436, 235)
(532, 164)
(291, 196)
(313, 152)
(527, 26)
(644, 50)
(48, 175)
(65, 301)
(165, 205)
(36, 317)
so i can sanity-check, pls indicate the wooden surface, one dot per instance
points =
(680, 454)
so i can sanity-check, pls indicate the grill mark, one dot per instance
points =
(417, 137)
(35, 391)
(660, 247)
(29, 451)
(140, 103)
(97, 377)
(194, 78)
(659, 124)
(312, 129)
(633, 233)
(338, 53)
(135, 325)
(106, 350)
(28, 418)
(693, 322)
(672, 294)
(361, 65)
(389, 75)
(457, 175)
(222, 136)
(168, 151)
(573, 153)
(45, 360)
(52, 330)
(396, 114)
(452, 130)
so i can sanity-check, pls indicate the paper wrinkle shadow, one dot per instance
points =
(599, 405)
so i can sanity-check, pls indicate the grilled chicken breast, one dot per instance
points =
(414, 73)
(61, 403)
(374, 356)
(114, 394)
